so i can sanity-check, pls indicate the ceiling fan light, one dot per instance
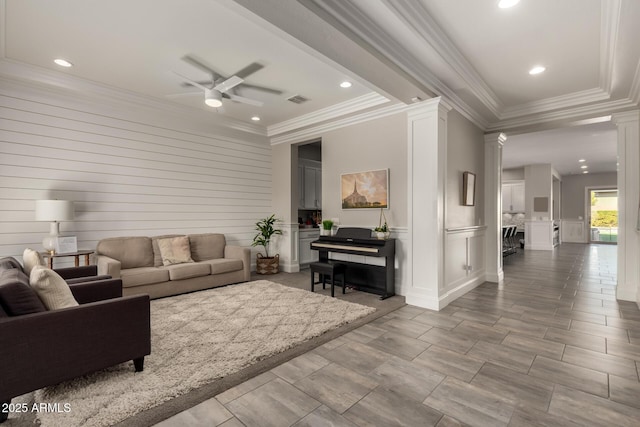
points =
(213, 98)
(505, 4)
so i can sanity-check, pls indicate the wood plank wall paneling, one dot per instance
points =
(126, 176)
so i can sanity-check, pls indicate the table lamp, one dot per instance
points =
(53, 211)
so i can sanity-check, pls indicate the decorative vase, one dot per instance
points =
(267, 265)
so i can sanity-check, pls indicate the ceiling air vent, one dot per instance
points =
(297, 99)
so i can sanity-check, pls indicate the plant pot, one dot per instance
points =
(267, 265)
(382, 235)
(324, 232)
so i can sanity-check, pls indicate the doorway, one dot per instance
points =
(602, 213)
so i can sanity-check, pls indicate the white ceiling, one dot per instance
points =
(468, 51)
(138, 45)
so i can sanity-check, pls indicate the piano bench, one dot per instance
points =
(331, 269)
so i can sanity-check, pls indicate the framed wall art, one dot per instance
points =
(365, 190)
(468, 189)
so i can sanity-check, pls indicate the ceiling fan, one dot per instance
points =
(219, 86)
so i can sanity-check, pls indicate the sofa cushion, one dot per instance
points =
(157, 257)
(188, 270)
(51, 288)
(17, 297)
(224, 265)
(175, 250)
(30, 259)
(143, 276)
(8, 263)
(207, 246)
(132, 252)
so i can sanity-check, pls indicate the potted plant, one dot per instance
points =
(327, 225)
(382, 230)
(266, 264)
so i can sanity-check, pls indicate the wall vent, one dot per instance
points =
(297, 99)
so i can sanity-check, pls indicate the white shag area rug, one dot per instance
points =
(195, 339)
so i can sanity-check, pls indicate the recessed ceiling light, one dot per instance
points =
(345, 84)
(503, 4)
(63, 62)
(584, 167)
(582, 160)
(537, 70)
(585, 171)
(255, 118)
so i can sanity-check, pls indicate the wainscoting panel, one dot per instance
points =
(573, 231)
(464, 262)
(129, 172)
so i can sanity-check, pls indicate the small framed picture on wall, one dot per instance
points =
(468, 189)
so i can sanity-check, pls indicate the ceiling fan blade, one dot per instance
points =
(199, 63)
(231, 82)
(245, 100)
(249, 69)
(194, 83)
(178, 95)
(262, 88)
(206, 84)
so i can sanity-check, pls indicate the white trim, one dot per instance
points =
(416, 16)
(465, 229)
(315, 131)
(555, 103)
(574, 113)
(634, 91)
(369, 100)
(3, 31)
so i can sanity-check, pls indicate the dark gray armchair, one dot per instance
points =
(44, 348)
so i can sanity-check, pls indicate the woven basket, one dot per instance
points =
(266, 265)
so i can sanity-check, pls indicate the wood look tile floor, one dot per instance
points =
(549, 347)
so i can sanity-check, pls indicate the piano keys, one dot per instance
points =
(377, 279)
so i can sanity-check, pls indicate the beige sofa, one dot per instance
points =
(138, 262)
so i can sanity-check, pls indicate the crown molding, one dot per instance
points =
(556, 103)
(610, 23)
(417, 18)
(348, 107)
(86, 89)
(595, 110)
(351, 16)
(316, 131)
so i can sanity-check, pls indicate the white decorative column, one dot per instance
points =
(427, 160)
(493, 205)
(628, 124)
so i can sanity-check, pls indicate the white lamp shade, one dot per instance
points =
(54, 210)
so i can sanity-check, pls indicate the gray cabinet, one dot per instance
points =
(305, 254)
(310, 181)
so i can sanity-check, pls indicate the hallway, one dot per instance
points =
(549, 347)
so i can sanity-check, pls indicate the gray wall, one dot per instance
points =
(573, 191)
(129, 170)
(465, 152)
(513, 174)
(372, 145)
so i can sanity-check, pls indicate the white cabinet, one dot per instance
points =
(310, 181)
(513, 197)
(306, 255)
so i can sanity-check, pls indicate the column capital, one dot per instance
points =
(497, 137)
(626, 117)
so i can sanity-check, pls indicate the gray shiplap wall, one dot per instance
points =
(128, 174)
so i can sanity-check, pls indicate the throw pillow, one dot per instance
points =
(16, 296)
(51, 288)
(31, 258)
(175, 250)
